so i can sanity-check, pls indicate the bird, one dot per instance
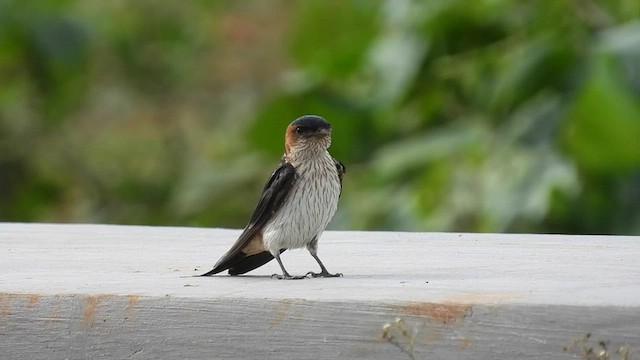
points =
(297, 203)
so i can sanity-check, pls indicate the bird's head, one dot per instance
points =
(309, 133)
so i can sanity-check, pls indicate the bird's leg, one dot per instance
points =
(323, 272)
(313, 249)
(285, 274)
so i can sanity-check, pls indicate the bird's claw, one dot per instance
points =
(323, 274)
(288, 277)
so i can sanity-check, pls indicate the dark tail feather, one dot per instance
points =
(241, 263)
(249, 263)
(212, 272)
(225, 264)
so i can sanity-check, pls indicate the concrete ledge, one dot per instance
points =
(98, 291)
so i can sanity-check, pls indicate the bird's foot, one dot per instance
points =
(323, 274)
(288, 277)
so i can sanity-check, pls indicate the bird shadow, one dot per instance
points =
(245, 277)
(376, 276)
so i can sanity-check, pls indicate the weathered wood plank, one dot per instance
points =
(97, 291)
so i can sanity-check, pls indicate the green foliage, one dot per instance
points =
(604, 124)
(450, 115)
(332, 37)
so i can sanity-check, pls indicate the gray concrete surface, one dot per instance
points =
(119, 292)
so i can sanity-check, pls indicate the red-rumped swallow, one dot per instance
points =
(297, 203)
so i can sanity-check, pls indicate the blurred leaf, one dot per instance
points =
(60, 56)
(603, 127)
(331, 37)
(526, 69)
(457, 26)
(417, 153)
(624, 42)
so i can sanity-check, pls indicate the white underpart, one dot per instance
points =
(310, 205)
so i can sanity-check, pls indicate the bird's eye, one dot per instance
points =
(300, 130)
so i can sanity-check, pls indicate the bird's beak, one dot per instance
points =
(323, 132)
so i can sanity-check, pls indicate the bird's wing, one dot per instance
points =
(273, 195)
(341, 171)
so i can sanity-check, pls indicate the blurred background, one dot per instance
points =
(450, 115)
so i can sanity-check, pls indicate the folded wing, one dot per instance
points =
(247, 253)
